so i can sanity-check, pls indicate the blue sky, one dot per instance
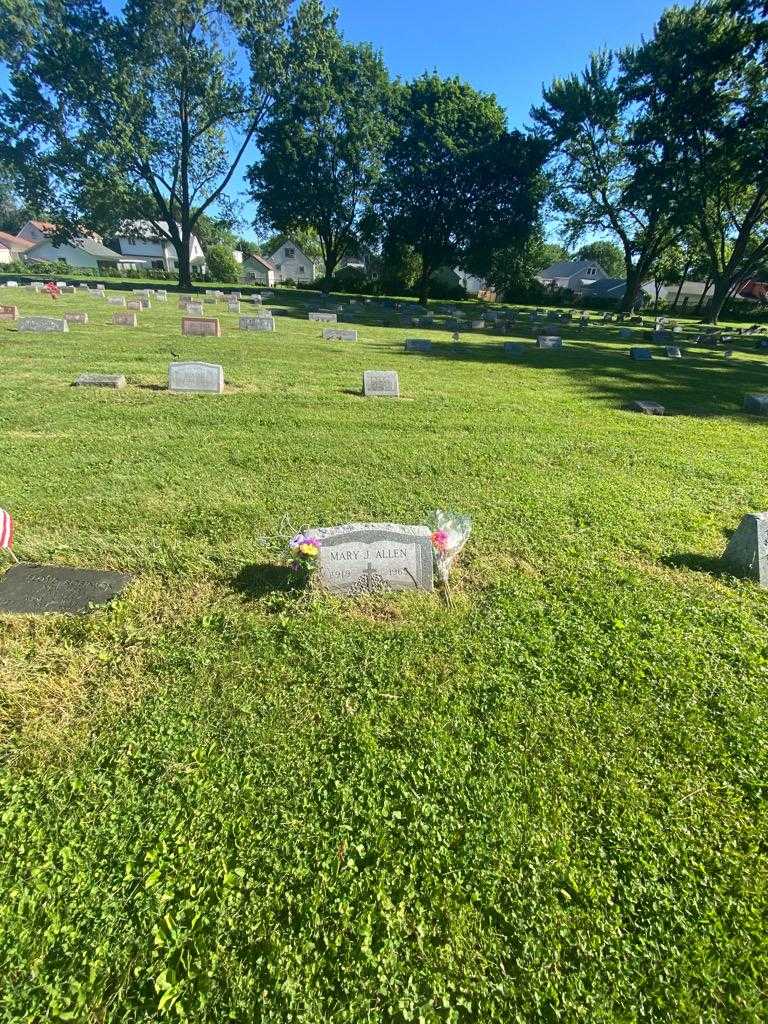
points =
(507, 47)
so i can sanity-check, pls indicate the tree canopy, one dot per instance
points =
(322, 148)
(133, 115)
(456, 184)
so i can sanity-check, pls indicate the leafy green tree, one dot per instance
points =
(322, 149)
(600, 181)
(141, 114)
(213, 231)
(701, 88)
(607, 254)
(456, 185)
(222, 265)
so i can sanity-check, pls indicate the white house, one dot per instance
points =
(12, 248)
(258, 270)
(574, 275)
(690, 293)
(291, 263)
(81, 252)
(36, 230)
(145, 243)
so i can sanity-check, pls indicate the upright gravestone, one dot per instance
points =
(747, 550)
(9, 312)
(196, 378)
(134, 304)
(117, 300)
(43, 323)
(125, 320)
(756, 404)
(233, 306)
(257, 323)
(381, 384)
(549, 341)
(76, 318)
(30, 589)
(673, 352)
(325, 318)
(362, 558)
(201, 326)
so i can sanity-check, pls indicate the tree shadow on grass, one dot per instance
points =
(256, 581)
(702, 384)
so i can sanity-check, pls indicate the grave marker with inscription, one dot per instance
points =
(43, 323)
(324, 318)
(339, 334)
(30, 589)
(9, 312)
(201, 326)
(196, 378)
(381, 384)
(100, 380)
(362, 558)
(76, 318)
(418, 345)
(257, 323)
(125, 320)
(117, 301)
(549, 341)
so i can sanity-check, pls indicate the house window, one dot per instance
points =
(301, 270)
(157, 264)
(289, 253)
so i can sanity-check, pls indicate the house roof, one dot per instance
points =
(89, 245)
(608, 287)
(42, 225)
(144, 229)
(267, 264)
(12, 242)
(567, 268)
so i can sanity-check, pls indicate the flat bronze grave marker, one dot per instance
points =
(31, 589)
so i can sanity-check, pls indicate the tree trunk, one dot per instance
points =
(716, 303)
(331, 262)
(426, 273)
(703, 295)
(185, 267)
(683, 279)
(634, 280)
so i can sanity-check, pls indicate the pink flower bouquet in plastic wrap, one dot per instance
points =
(450, 533)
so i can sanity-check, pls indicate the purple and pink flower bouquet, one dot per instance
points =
(303, 550)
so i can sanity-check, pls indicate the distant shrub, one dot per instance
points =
(351, 279)
(222, 265)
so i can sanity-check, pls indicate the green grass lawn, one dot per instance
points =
(225, 800)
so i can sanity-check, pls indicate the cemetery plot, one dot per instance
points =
(125, 320)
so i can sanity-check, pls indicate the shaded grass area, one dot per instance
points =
(225, 799)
